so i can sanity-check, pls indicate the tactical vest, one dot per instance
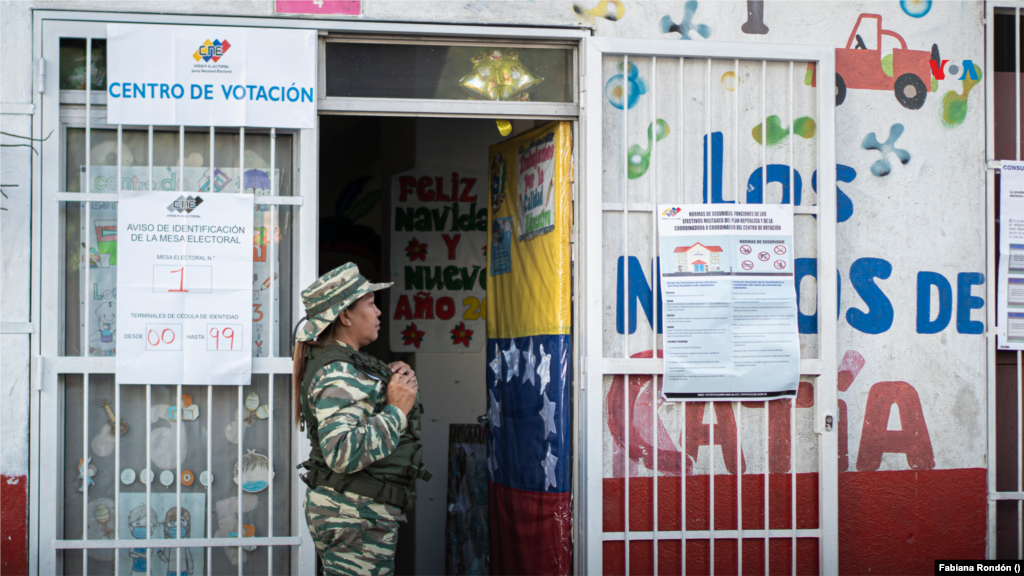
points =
(390, 480)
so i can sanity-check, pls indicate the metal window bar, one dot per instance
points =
(811, 367)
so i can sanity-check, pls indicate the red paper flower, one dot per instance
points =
(461, 335)
(412, 335)
(416, 250)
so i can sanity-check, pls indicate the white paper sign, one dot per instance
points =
(438, 237)
(1010, 320)
(729, 312)
(184, 276)
(535, 197)
(211, 76)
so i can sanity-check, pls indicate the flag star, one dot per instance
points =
(544, 370)
(494, 413)
(547, 412)
(496, 364)
(512, 360)
(531, 364)
(549, 463)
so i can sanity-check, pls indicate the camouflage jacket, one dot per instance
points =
(355, 424)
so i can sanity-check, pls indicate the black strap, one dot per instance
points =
(382, 492)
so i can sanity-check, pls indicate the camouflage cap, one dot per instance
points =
(330, 294)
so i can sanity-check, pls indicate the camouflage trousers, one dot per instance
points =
(353, 534)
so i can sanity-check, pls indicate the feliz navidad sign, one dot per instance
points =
(438, 260)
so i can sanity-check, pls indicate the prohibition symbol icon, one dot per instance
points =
(764, 257)
(780, 264)
(748, 265)
(780, 249)
(744, 249)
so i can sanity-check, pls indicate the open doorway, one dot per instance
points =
(359, 159)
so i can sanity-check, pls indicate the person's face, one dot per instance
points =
(362, 320)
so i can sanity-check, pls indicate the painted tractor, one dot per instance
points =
(860, 68)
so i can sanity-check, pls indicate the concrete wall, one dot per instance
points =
(913, 481)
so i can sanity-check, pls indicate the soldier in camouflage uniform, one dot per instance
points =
(362, 418)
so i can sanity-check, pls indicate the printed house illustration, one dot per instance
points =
(699, 258)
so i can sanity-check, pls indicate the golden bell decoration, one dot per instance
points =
(499, 75)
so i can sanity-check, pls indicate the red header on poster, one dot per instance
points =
(345, 7)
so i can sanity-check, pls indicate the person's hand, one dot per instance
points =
(399, 367)
(402, 392)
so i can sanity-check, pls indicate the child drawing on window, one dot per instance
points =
(137, 526)
(170, 555)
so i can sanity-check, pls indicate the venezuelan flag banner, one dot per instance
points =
(528, 352)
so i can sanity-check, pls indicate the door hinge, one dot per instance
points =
(42, 75)
(37, 373)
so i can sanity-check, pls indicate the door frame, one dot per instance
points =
(46, 365)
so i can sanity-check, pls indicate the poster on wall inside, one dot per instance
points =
(729, 305)
(535, 181)
(438, 259)
(102, 229)
(1010, 320)
(184, 301)
(211, 76)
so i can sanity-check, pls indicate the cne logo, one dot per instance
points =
(670, 212)
(211, 50)
(185, 204)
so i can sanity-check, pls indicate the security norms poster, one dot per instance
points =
(184, 281)
(438, 261)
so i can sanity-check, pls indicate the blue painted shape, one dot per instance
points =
(686, 25)
(716, 169)
(925, 281)
(844, 206)
(776, 173)
(882, 167)
(969, 70)
(916, 8)
(639, 291)
(879, 316)
(965, 302)
(630, 86)
(808, 323)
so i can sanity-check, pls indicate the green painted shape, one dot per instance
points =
(803, 127)
(954, 106)
(887, 65)
(638, 159)
(809, 75)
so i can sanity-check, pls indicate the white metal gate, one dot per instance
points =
(702, 88)
(72, 371)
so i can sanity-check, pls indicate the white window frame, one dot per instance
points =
(590, 323)
(47, 193)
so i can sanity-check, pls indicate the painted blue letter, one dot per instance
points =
(640, 290)
(925, 281)
(776, 173)
(844, 206)
(965, 303)
(878, 319)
